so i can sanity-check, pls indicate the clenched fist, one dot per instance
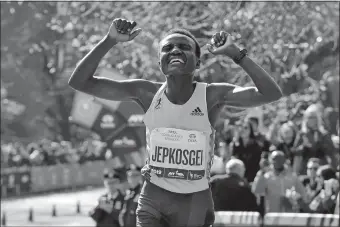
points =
(121, 30)
(223, 43)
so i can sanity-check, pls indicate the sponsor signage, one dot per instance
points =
(107, 122)
(15, 181)
(124, 142)
(174, 173)
(136, 120)
(125, 139)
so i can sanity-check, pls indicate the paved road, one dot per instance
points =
(17, 210)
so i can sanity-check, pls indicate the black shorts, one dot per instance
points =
(158, 207)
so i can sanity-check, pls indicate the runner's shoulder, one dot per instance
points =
(147, 85)
(144, 91)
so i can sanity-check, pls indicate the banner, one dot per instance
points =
(136, 120)
(47, 178)
(84, 110)
(126, 141)
(107, 123)
(93, 172)
(15, 181)
(133, 113)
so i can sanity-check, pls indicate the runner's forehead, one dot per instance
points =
(177, 38)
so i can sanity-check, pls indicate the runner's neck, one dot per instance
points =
(179, 89)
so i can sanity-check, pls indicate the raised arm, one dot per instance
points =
(265, 91)
(83, 79)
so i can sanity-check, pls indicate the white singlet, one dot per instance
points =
(180, 142)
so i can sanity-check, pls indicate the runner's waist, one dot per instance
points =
(179, 185)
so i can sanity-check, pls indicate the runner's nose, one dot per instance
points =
(176, 51)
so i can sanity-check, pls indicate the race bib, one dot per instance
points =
(178, 154)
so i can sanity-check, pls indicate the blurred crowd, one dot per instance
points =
(46, 152)
(293, 165)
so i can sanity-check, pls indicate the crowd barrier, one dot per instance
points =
(300, 220)
(235, 219)
(26, 180)
(222, 219)
(245, 219)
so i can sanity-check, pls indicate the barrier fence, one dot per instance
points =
(27, 180)
(222, 218)
(253, 219)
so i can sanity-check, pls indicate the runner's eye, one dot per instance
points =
(184, 47)
(167, 47)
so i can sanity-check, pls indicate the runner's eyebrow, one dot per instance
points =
(177, 44)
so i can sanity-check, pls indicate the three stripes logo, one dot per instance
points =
(197, 112)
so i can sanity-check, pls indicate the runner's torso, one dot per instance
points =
(180, 142)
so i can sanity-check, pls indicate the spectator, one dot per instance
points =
(331, 117)
(274, 127)
(127, 216)
(222, 157)
(259, 137)
(325, 201)
(311, 182)
(275, 184)
(245, 148)
(224, 151)
(227, 132)
(264, 162)
(47, 152)
(231, 192)
(316, 142)
(36, 157)
(110, 204)
(218, 166)
(335, 138)
(286, 141)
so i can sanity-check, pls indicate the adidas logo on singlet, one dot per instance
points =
(197, 112)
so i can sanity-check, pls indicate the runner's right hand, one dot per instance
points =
(121, 30)
(146, 172)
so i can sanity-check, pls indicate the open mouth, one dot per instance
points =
(176, 60)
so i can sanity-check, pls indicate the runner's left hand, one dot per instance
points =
(222, 43)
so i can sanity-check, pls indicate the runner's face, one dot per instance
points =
(182, 48)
